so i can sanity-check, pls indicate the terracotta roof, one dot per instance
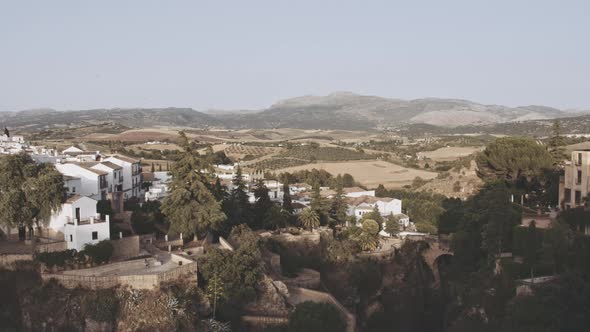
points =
(72, 199)
(148, 176)
(124, 158)
(111, 165)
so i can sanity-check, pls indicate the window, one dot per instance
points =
(579, 159)
(73, 189)
(115, 175)
(71, 238)
(95, 235)
(568, 195)
(578, 197)
(579, 178)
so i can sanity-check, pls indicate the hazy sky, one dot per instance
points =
(248, 54)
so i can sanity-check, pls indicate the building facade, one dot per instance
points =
(574, 185)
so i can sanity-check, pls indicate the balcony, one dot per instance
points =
(86, 221)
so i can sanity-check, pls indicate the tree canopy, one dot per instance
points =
(191, 206)
(29, 192)
(511, 158)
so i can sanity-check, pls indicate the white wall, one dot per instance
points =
(90, 180)
(78, 236)
(68, 211)
(361, 193)
(128, 179)
(112, 178)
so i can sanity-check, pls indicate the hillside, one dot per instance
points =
(135, 118)
(346, 110)
(343, 110)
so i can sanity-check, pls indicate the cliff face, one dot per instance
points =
(30, 305)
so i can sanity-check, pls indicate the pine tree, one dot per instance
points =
(190, 205)
(338, 206)
(6, 132)
(262, 205)
(392, 226)
(557, 142)
(237, 206)
(219, 190)
(287, 202)
(319, 204)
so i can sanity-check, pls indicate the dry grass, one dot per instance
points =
(370, 173)
(451, 153)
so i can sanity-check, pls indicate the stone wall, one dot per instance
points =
(259, 323)
(51, 247)
(126, 247)
(139, 281)
(8, 260)
(306, 278)
(298, 295)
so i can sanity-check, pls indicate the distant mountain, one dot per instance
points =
(341, 110)
(135, 117)
(345, 110)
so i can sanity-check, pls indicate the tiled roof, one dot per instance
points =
(367, 199)
(124, 158)
(111, 165)
(74, 198)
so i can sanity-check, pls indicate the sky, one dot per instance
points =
(241, 54)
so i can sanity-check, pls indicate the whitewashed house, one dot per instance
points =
(159, 187)
(74, 154)
(131, 175)
(80, 223)
(359, 206)
(93, 182)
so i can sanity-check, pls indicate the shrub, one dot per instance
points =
(316, 317)
(101, 306)
(56, 258)
(100, 252)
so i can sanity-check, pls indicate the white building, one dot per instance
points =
(80, 223)
(131, 175)
(114, 175)
(93, 182)
(159, 187)
(359, 206)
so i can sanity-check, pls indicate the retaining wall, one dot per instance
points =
(140, 281)
(8, 260)
(298, 295)
(51, 247)
(126, 247)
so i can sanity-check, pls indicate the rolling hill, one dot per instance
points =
(341, 110)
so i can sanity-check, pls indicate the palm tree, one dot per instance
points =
(309, 218)
(369, 237)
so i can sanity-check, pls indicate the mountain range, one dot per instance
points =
(341, 110)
